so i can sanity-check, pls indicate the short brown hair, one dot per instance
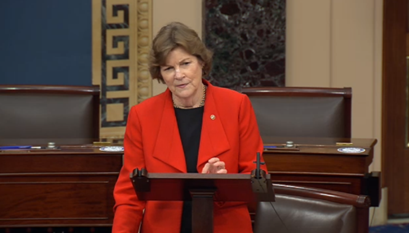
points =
(172, 36)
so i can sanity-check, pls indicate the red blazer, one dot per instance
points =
(152, 140)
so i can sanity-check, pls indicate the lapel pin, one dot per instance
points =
(212, 117)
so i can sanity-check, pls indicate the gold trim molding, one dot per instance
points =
(121, 40)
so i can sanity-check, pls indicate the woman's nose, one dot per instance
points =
(178, 73)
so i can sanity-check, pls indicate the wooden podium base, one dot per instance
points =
(202, 210)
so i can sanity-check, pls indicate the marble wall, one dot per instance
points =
(248, 41)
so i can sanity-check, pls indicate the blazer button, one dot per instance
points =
(213, 117)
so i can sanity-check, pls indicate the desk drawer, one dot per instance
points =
(39, 163)
(53, 199)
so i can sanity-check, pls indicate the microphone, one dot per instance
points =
(258, 163)
(261, 184)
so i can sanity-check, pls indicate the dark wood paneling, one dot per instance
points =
(395, 156)
(74, 186)
(68, 187)
(342, 183)
(299, 91)
(84, 200)
(37, 163)
(316, 163)
(321, 165)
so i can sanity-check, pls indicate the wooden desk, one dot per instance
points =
(69, 187)
(318, 164)
(74, 186)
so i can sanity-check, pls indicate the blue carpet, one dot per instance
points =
(391, 228)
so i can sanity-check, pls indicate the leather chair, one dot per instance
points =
(301, 112)
(37, 114)
(310, 210)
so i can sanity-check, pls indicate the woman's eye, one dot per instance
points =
(167, 68)
(186, 63)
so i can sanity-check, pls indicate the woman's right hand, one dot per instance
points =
(214, 166)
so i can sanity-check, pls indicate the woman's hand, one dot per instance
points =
(214, 165)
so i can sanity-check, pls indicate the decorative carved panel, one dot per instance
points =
(121, 41)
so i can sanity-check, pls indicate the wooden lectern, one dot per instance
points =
(202, 190)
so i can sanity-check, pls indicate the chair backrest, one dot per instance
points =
(302, 111)
(310, 210)
(35, 114)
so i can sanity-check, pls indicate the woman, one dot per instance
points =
(191, 127)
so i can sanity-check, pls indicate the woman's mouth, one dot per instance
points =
(182, 85)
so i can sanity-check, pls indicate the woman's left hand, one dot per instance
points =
(214, 165)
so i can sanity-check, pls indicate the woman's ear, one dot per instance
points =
(203, 71)
(201, 62)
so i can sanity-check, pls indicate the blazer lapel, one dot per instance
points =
(213, 141)
(168, 147)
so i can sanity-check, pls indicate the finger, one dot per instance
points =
(222, 171)
(206, 168)
(211, 169)
(219, 164)
(213, 160)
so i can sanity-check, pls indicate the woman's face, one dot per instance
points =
(183, 75)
